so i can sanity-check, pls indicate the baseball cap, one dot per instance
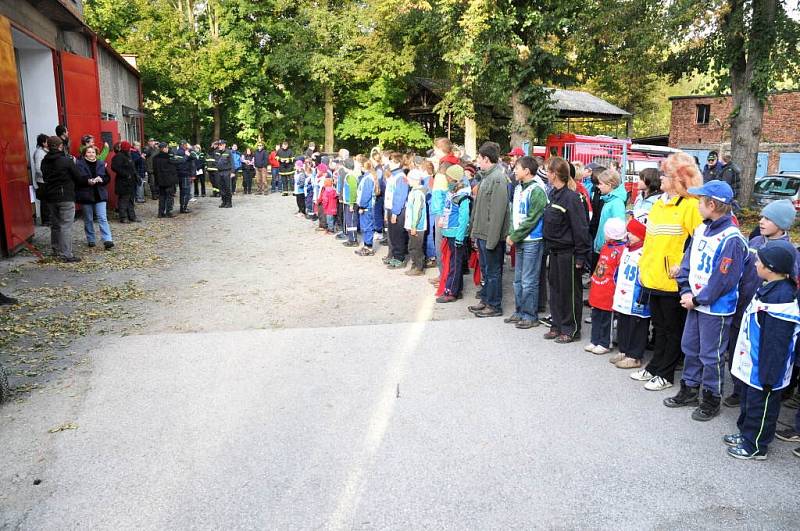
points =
(715, 189)
(516, 152)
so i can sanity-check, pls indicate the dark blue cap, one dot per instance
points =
(779, 256)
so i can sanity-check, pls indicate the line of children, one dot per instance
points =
(711, 278)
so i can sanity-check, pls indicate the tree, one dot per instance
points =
(748, 46)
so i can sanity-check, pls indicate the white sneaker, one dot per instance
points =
(590, 347)
(641, 375)
(600, 349)
(657, 383)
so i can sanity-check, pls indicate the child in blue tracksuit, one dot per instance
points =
(454, 223)
(398, 239)
(309, 189)
(300, 187)
(376, 159)
(765, 351)
(427, 183)
(709, 286)
(416, 222)
(776, 219)
(348, 197)
(365, 201)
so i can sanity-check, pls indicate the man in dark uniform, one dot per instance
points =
(185, 166)
(224, 161)
(166, 176)
(286, 158)
(211, 169)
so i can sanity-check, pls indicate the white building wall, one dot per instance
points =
(38, 92)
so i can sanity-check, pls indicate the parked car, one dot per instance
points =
(777, 186)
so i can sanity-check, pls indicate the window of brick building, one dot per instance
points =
(703, 113)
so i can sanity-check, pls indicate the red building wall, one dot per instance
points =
(781, 120)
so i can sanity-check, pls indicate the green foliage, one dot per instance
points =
(373, 121)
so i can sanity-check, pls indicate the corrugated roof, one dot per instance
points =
(577, 103)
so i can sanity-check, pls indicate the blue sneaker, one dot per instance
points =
(734, 439)
(739, 452)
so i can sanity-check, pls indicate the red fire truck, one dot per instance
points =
(604, 150)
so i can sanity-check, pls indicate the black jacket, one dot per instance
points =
(126, 176)
(60, 176)
(165, 170)
(565, 228)
(89, 194)
(286, 158)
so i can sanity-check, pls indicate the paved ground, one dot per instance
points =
(275, 380)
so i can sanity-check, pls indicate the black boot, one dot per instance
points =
(687, 396)
(7, 300)
(708, 409)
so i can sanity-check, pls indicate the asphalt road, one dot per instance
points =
(455, 423)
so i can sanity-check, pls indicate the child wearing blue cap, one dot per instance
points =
(708, 283)
(776, 220)
(765, 351)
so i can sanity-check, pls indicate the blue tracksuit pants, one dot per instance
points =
(430, 245)
(378, 214)
(351, 222)
(704, 344)
(367, 219)
(758, 415)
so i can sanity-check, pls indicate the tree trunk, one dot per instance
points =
(520, 120)
(470, 137)
(328, 119)
(745, 138)
(748, 92)
(217, 120)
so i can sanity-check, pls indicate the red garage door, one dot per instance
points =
(15, 202)
(81, 98)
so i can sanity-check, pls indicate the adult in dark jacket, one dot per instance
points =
(150, 151)
(199, 171)
(712, 169)
(261, 162)
(489, 229)
(566, 235)
(125, 183)
(184, 162)
(225, 173)
(60, 176)
(286, 169)
(166, 176)
(91, 193)
(731, 174)
(248, 170)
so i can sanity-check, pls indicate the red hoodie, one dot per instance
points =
(328, 201)
(601, 292)
(273, 159)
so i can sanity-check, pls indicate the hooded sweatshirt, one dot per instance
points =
(613, 207)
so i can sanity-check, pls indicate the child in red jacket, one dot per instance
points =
(601, 292)
(329, 202)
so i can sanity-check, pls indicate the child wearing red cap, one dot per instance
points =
(630, 302)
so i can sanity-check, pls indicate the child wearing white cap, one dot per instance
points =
(601, 291)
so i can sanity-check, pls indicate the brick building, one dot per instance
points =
(54, 70)
(698, 125)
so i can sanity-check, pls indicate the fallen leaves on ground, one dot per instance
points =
(63, 427)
